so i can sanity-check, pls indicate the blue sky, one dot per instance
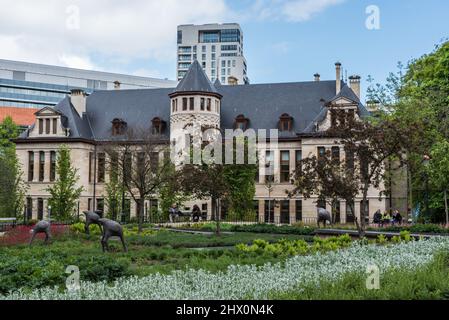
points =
(285, 40)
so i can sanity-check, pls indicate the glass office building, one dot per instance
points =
(30, 85)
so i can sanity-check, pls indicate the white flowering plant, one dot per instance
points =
(252, 282)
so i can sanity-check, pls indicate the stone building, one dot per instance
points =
(299, 111)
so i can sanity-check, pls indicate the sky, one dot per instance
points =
(284, 40)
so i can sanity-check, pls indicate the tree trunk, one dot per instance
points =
(217, 217)
(363, 211)
(446, 207)
(141, 213)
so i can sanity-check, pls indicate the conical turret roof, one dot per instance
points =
(195, 80)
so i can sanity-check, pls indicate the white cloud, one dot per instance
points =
(290, 10)
(303, 10)
(107, 32)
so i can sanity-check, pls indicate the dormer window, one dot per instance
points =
(241, 122)
(158, 126)
(118, 127)
(285, 122)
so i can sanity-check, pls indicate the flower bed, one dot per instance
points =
(22, 234)
(243, 282)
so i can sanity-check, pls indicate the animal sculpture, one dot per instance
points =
(322, 216)
(41, 227)
(111, 229)
(91, 218)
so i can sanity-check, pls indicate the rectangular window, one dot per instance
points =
(269, 211)
(321, 152)
(285, 166)
(350, 212)
(213, 48)
(41, 165)
(233, 63)
(349, 155)
(41, 126)
(202, 104)
(40, 208)
(298, 158)
(203, 56)
(223, 63)
(256, 207)
(52, 165)
(203, 49)
(191, 103)
(89, 204)
(212, 65)
(90, 166)
(336, 154)
(229, 63)
(100, 204)
(30, 165)
(285, 211)
(127, 166)
(47, 126)
(179, 36)
(209, 101)
(269, 166)
(298, 210)
(101, 167)
(212, 56)
(55, 126)
(184, 104)
(29, 208)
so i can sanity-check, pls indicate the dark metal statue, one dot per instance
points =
(92, 218)
(322, 216)
(41, 227)
(110, 229)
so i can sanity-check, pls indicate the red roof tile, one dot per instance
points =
(21, 116)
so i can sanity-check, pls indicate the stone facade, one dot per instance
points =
(73, 123)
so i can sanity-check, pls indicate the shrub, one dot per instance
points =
(296, 247)
(79, 228)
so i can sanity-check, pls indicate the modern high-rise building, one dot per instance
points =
(217, 47)
(31, 85)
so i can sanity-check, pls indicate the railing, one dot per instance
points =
(6, 223)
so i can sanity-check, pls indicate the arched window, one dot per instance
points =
(118, 127)
(285, 122)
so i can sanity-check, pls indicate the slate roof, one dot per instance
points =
(262, 104)
(195, 80)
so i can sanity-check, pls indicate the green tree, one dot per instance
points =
(170, 191)
(64, 193)
(419, 94)
(114, 195)
(439, 171)
(12, 186)
(8, 130)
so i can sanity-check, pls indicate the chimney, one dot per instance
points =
(338, 77)
(117, 85)
(317, 77)
(354, 83)
(78, 100)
